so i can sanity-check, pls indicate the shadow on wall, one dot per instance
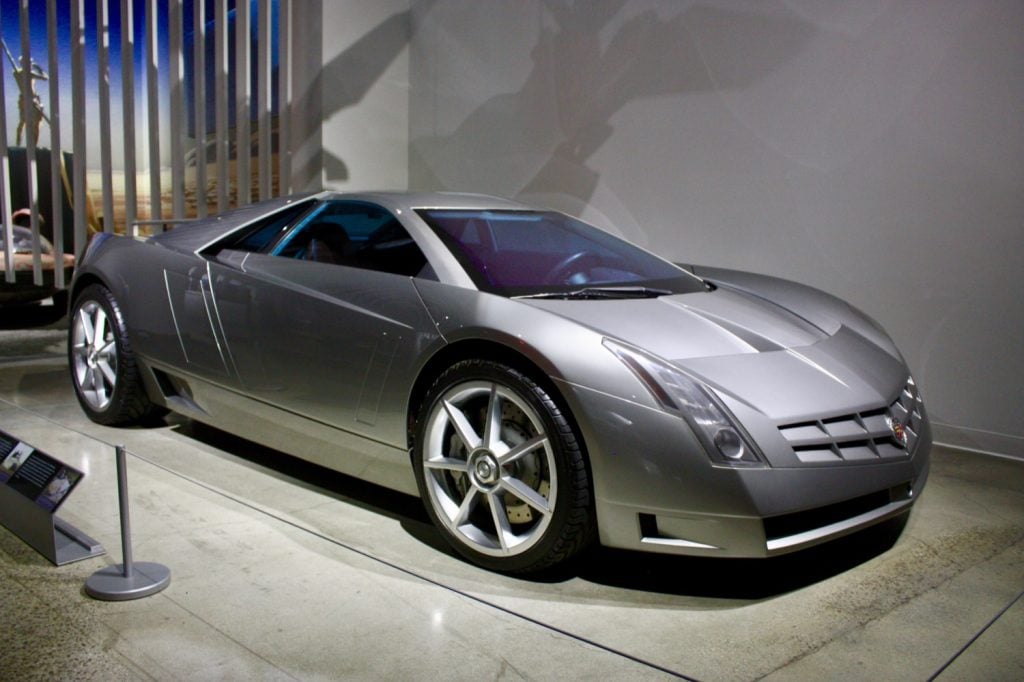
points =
(344, 81)
(540, 139)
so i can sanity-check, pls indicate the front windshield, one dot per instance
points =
(544, 253)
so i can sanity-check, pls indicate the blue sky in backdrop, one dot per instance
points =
(10, 26)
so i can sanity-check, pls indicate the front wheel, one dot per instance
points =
(500, 470)
(106, 378)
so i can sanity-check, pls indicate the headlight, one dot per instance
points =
(678, 393)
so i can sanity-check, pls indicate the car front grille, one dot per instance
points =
(861, 436)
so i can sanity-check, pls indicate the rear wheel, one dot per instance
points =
(500, 470)
(103, 369)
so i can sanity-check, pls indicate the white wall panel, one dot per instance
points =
(364, 93)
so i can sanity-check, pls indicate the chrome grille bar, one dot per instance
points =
(859, 436)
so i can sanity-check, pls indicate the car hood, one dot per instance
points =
(695, 325)
(750, 349)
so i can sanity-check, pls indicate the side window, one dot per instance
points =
(357, 235)
(260, 235)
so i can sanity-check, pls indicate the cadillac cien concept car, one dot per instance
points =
(539, 383)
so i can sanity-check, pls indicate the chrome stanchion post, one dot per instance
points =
(128, 580)
(122, 502)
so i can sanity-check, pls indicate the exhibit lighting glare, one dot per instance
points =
(680, 394)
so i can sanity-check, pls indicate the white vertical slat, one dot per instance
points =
(176, 81)
(220, 84)
(78, 124)
(56, 155)
(128, 111)
(284, 97)
(103, 64)
(199, 97)
(27, 115)
(263, 82)
(153, 101)
(5, 189)
(243, 100)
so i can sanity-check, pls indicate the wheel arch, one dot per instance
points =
(488, 349)
(82, 281)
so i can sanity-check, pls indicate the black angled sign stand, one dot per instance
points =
(32, 486)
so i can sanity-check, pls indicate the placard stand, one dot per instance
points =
(54, 538)
(128, 580)
(27, 507)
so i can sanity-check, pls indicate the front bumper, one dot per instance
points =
(656, 490)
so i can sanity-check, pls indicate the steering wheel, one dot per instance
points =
(571, 265)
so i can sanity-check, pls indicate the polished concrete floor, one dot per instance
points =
(282, 570)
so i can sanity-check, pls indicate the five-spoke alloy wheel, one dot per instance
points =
(103, 369)
(500, 469)
(94, 355)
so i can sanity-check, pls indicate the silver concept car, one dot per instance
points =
(538, 382)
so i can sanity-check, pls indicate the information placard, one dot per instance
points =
(32, 486)
(38, 476)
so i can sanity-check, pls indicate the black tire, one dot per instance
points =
(526, 473)
(106, 377)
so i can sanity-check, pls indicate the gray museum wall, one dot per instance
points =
(874, 149)
(350, 117)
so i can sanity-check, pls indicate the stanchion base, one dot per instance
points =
(110, 583)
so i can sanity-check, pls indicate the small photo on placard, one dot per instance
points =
(14, 459)
(58, 488)
(44, 480)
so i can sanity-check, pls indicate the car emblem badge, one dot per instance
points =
(899, 431)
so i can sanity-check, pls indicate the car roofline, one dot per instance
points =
(431, 200)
